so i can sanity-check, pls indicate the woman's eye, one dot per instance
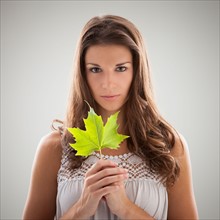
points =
(95, 70)
(121, 68)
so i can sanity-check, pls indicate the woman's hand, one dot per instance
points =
(101, 180)
(120, 205)
(117, 201)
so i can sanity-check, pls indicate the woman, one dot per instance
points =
(149, 176)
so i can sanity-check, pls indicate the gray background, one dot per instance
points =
(38, 40)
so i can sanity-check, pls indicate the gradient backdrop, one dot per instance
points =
(38, 40)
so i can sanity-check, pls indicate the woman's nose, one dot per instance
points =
(108, 81)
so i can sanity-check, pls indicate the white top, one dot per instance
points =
(142, 187)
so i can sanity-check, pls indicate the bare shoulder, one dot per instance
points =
(180, 147)
(49, 151)
(182, 203)
(41, 200)
(180, 152)
(51, 140)
(51, 143)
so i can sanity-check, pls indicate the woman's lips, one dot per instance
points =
(110, 97)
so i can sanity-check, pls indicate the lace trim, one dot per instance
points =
(136, 167)
(109, 157)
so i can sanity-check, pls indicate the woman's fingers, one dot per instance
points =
(102, 179)
(106, 181)
(100, 193)
(101, 164)
(106, 172)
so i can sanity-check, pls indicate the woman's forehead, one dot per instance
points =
(113, 52)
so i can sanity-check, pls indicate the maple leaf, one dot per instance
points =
(97, 135)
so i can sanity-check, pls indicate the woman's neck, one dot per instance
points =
(123, 149)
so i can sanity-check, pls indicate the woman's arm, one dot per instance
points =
(41, 200)
(182, 203)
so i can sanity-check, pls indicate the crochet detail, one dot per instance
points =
(137, 168)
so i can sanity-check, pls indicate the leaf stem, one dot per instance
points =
(100, 151)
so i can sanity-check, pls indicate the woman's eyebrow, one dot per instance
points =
(93, 64)
(120, 64)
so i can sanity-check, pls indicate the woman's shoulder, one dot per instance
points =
(50, 149)
(182, 191)
(51, 140)
(180, 145)
(43, 187)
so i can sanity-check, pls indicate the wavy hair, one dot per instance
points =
(151, 137)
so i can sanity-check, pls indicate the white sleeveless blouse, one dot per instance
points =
(143, 187)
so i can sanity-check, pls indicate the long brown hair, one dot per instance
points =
(151, 137)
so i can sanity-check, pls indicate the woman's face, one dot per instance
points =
(109, 71)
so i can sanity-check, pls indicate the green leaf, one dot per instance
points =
(111, 138)
(96, 136)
